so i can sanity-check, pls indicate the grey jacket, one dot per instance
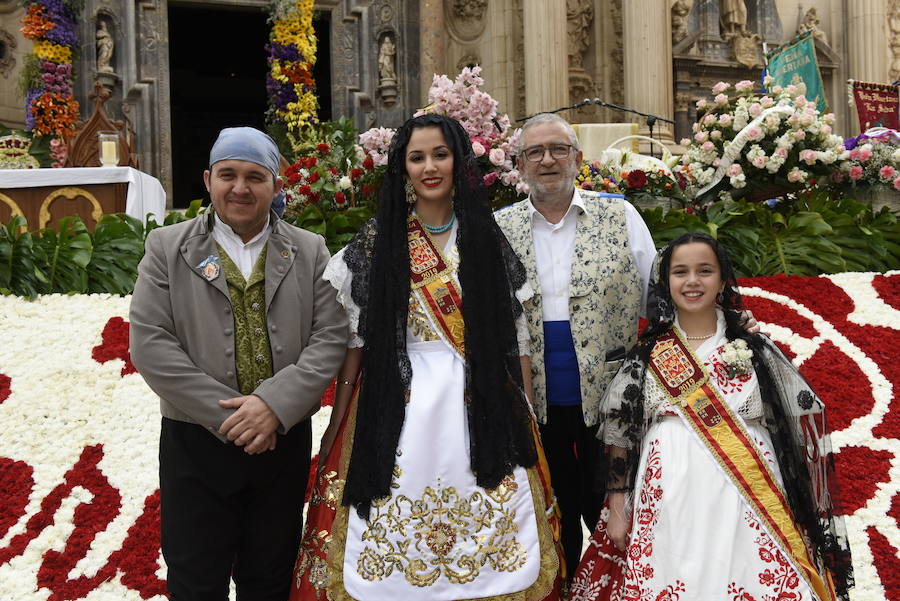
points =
(182, 338)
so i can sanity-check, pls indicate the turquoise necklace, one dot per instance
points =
(440, 229)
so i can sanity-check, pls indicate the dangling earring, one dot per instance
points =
(720, 298)
(410, 192)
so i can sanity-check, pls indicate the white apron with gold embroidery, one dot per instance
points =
(440, 536)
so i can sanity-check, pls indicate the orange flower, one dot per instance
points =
(34, 24)
(54, 114)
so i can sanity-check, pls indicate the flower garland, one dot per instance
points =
(292, 54)
(50, 107)
(78, 517)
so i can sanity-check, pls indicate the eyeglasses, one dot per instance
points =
(557, 151)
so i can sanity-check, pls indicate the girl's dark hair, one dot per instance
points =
(489, 273)
(790, 451)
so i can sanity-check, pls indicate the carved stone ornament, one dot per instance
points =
(469, 9)
(680, 11)
(579, 18)
(466, 19)
(733, 17)
(387, 72)
(468, 60)
(105, 46)
(7, 60)
(894, 26)
(810, 22)
(746, 49)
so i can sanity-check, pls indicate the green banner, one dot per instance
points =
(795, 63)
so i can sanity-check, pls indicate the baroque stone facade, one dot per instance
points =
(655, 56)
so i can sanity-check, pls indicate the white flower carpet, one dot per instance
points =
(79, 513)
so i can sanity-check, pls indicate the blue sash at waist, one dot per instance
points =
(561, 364)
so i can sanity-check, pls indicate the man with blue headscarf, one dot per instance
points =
(234, 328)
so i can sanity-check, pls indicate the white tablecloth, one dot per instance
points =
(145, 193)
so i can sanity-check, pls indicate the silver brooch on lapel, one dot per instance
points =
(210, 267)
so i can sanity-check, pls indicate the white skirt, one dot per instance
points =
(693, 536)
(440, 536)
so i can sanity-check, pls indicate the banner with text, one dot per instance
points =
(876, 104)
(795, 63)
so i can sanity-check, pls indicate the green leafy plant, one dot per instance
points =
(20, 269)
(66, 253)
(118, 245)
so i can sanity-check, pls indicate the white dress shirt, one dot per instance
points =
(554, 246)
(241, 254)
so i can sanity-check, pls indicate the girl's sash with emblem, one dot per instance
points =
(701, 406)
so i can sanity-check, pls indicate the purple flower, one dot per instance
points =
(284, 52)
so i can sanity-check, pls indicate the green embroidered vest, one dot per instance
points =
(253, 355)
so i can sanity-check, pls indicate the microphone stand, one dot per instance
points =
(650, 118)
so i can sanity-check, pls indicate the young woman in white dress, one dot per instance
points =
(430, 483)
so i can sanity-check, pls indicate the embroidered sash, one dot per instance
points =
(700, 404)
(431, 280)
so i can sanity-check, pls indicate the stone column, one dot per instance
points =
(647, 36)
(868, 42)
(546, 56)
(433, 57)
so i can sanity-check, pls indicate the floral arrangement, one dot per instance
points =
(50, 107)
(331, 186)
(592, 175)
(873, 159)
(291, 56)
(737, 356)
(760, 146)
(81, 515)
(494, 142)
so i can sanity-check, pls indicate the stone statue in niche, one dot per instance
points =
(579, 16)
(680, 11)
(733, 17)
(810, 22)
(386, 54)
(387, 72)
(105, 46)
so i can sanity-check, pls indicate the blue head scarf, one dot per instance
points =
(245, 144)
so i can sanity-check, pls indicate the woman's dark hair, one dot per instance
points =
(498, 417)
(789, 450)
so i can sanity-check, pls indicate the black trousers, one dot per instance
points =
(226, 514)
(572, 451)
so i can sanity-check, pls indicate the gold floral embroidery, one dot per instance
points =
(309, 562)
(418, 323)
(421, 538)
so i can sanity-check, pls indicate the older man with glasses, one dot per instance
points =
(590, 256)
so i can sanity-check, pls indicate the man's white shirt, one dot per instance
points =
(241, 254)
(554, 247)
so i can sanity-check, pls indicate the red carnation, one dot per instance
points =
(339, 199)
(355, 174)
(637, 179)
(309, 162)
(323, 148)
(304, 190)
(313, 177)
(368, 163)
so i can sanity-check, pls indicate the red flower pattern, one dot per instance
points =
(842, 381)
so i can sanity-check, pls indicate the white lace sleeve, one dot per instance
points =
(523, 294)
(338, 275)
